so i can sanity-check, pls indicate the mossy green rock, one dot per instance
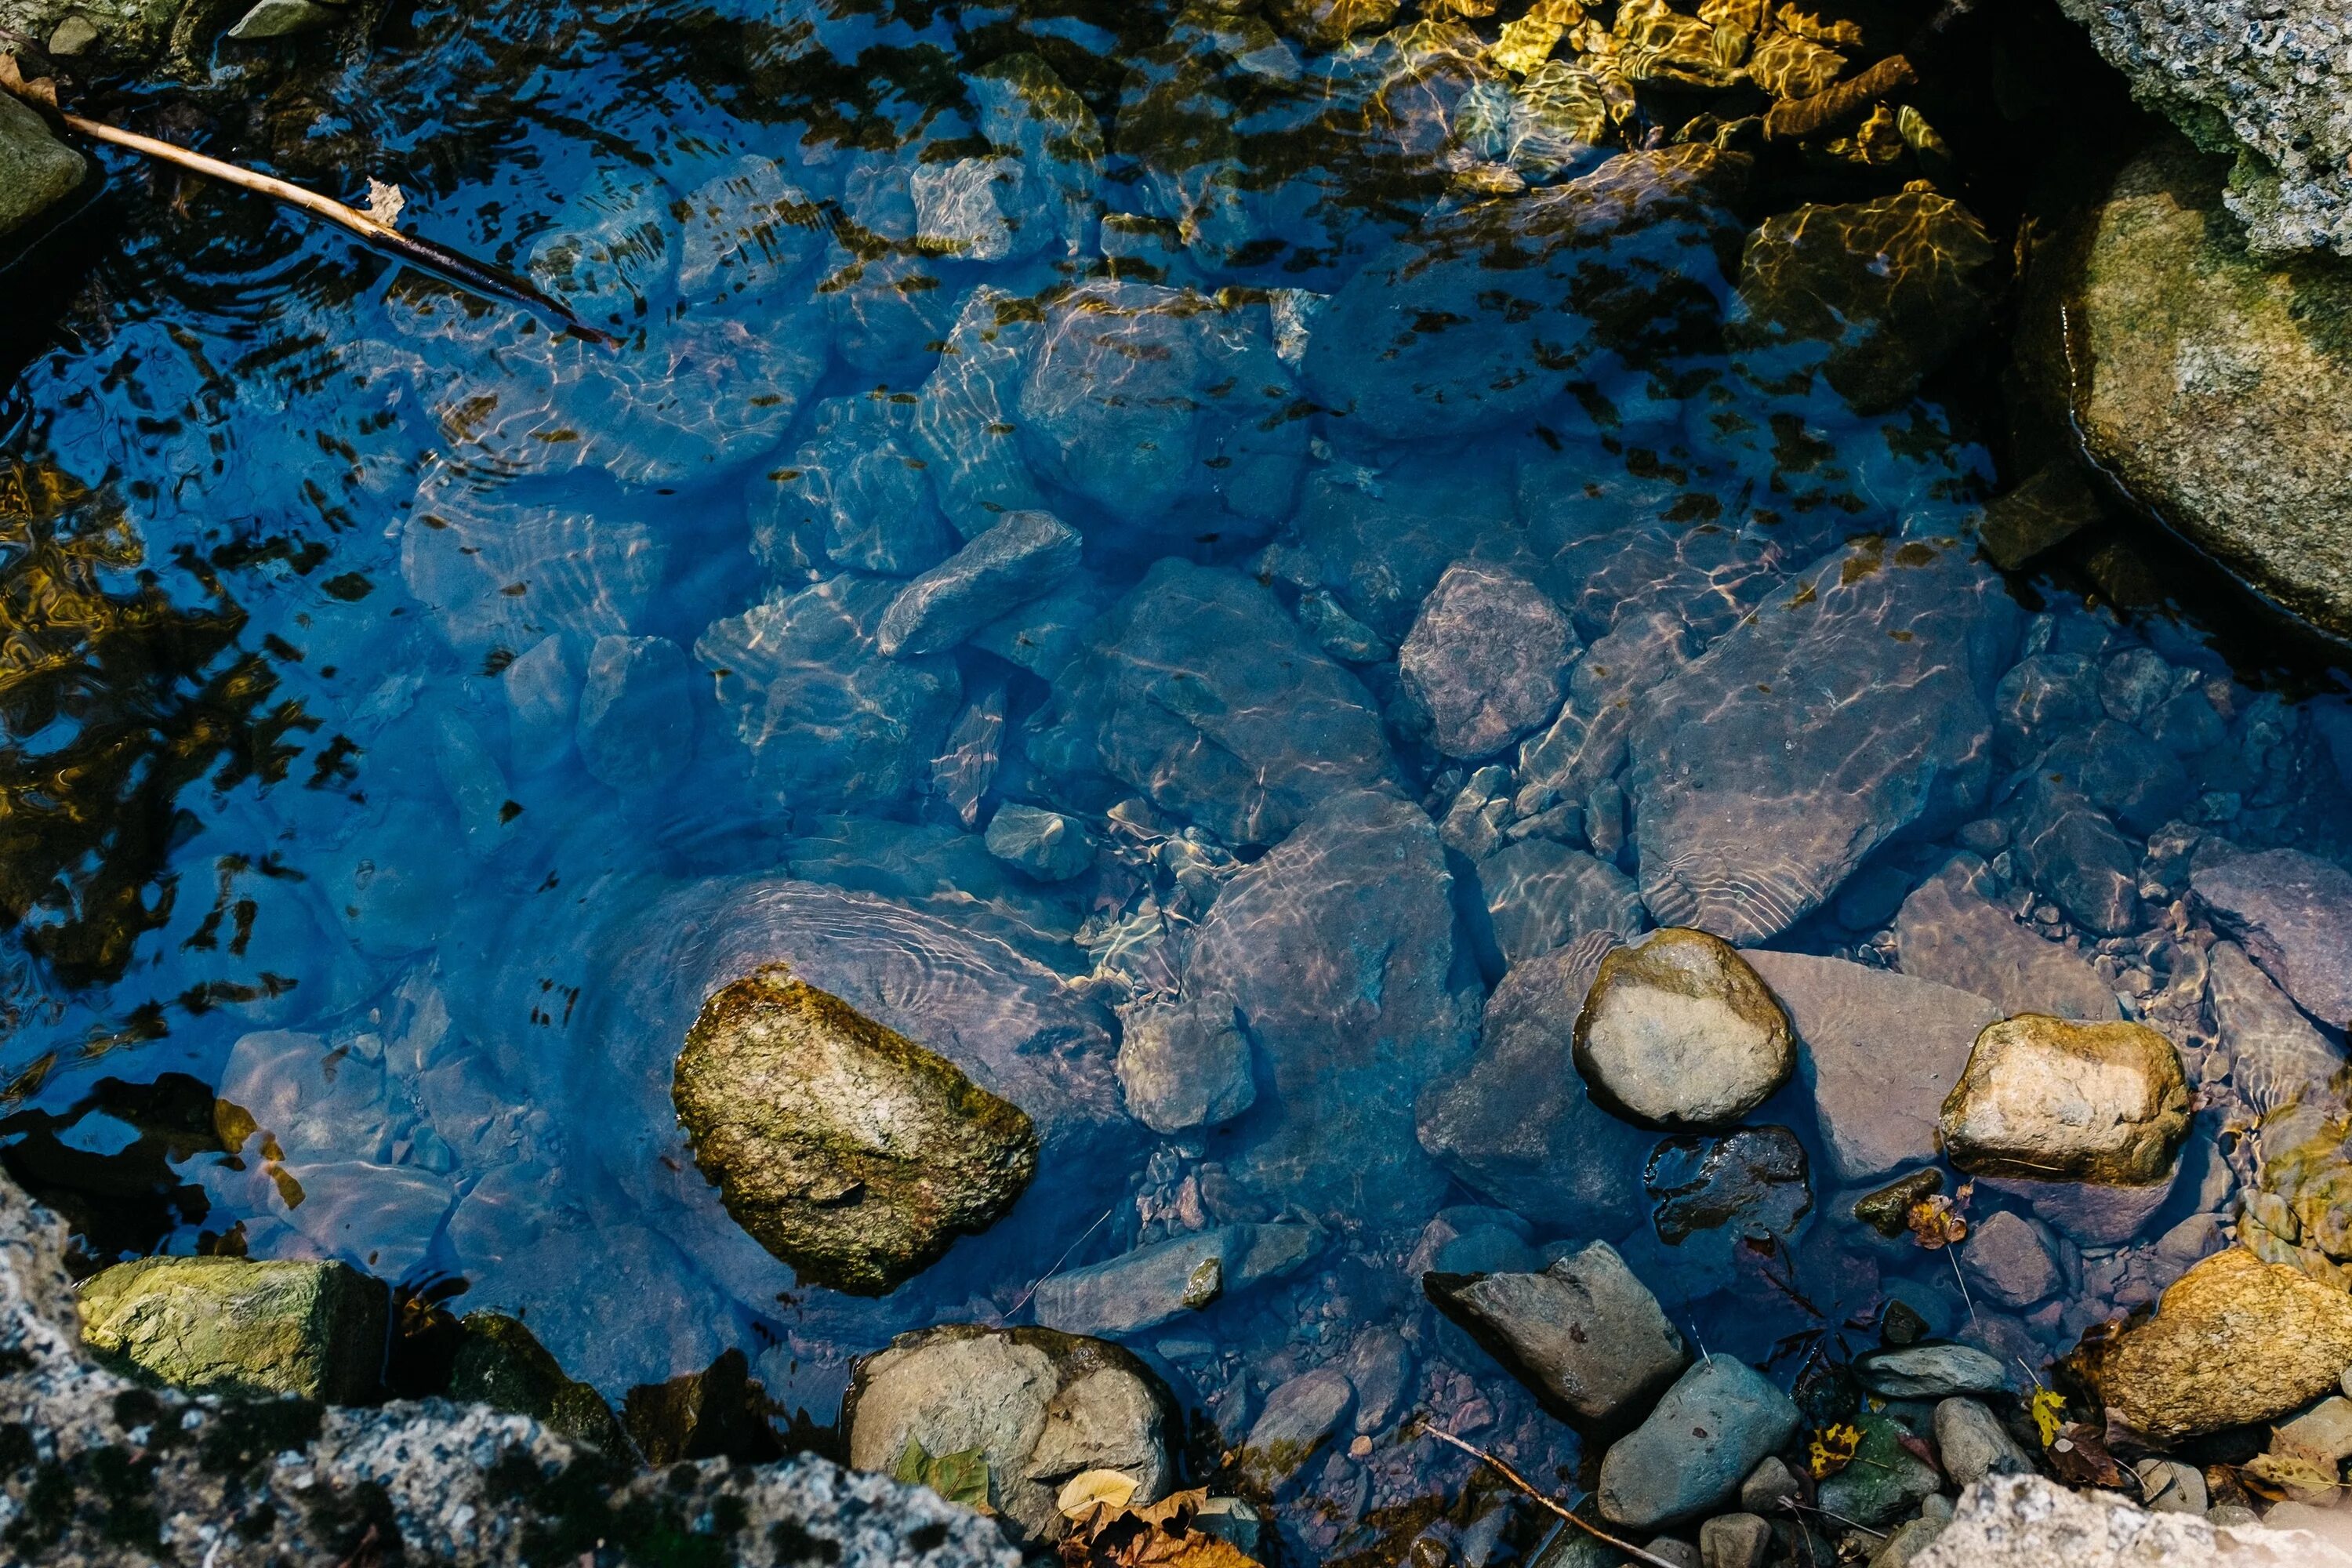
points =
(501, 1364)
(845, 1148)
(229, 1325)
(37, 170)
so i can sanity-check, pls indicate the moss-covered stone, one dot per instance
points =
(502, 1365)
(845, 1148)
(229, 1325)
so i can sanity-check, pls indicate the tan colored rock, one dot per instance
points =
(2234, 1341)
(1678, 1031)
(2053, 1099)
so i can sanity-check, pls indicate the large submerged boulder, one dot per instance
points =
(847, 1149)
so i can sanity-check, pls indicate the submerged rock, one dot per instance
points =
(845, 1149)
(230, 1326)
(1516, 1121)
(2291, 913)
(1853, 707)
(1337, 948)
(1185, 1064)
(1973, 1444)
(2047, 1099)
(1199, 690)
(1487, 657)
(1038, 1406)
(1300, 1416)
(1718, 1421)
(1950, 932)
(1538, 894)
(1011, 563)
(635, 723)
(1153, 1284)
(1678, 1031)
(2234, 1340)
(2201, 379)
(1047, 844)
(501, 1364)
(1879, 1050)
(1930, 1372)
(1585, 1335)
(1885, 1479)
(2010, 1261)
(720, 1412)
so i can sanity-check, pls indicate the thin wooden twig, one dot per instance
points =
(1521, 1482)
(479, 276)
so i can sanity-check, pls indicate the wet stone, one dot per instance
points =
(1539, 895)
(1468, 1239)
(1585, 1335)
(230, 1326)
(635, 725)
(2292, 913)
(1013, 562)
(1690, 1455)
(1486, 657)
(1185, 1064)
(1157, 1283)
(853, 495)
(2123, 773)
(1750, 1184)
(1931, 1372)
(1734, 1540)
(1950, 932)
(1297, 1423)
(2047, 1099)
(1887, 1209)
(1885, 1479)
(2010, 1261)
(1678, 1031)
(845, 1149)
(2234, 1340)
(501, 1364)
(720, 1412)
(1047, 844)
(1973, 1444)
(2069, 849)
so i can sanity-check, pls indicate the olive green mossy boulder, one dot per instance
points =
(501, 1364)
(2234, 1341)
(2056, 1100)
(229, 1325)
(845, 1149)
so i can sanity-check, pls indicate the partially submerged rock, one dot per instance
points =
(1679, 1032)
(37, 170)
(1153, 1284)
(228, 1325)
(1585, 1335)
(845, 1149)
(1718, 1421)
(502, 1364)
(1038, 1406)
(2031, 1521)
(2234, 1340)
(2049, 1098)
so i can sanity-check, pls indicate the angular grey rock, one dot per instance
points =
(425, 1465)
(1487, 658)
(1734, 1540)
(635, 726)
(751, 235)
(1469, 1238)
(1930, 1372)
(2010, 1261)
(1707, 1434)
(1338, 947)
(2171, 1487)
(2030, 1521)
(1768, 1487)
(1040, 1405)
(967, 424)
(2042, 696)
(1973, 1444)
(1015, 560)
(1586, 1336)
(1848, 711)
(285, 19)
(2067, 848)
(1298, 1419)
(2093, 1213)
(2264, 82)
(1377, 549)
(1878, 1050)
(1153, 1284)
(1185, 1064)
(1339, 634)
(1516, 1123)
(2292, 914)
(1949, 932)
(1909, 1541)
(1379, 1365)
(1538, 894)
(1047, 844)
(1678, 1031)
(1421, 342)
(1199, 690)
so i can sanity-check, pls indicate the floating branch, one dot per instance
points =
(373, 224)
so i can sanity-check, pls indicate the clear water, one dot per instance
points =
(308, 559)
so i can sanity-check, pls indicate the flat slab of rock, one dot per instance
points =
(1153, 1284)
(1338, 949)
(231, 1326)
(2234, 1340)
(1013, 562)
(1930, 1372)
(2292, 914)
(1487, 658)
(1678, 1031)
(1515, 1122)
(2277, 1057)
(1879, 1050)
(2048, 1099)
(1714, 1426)
(845, 1148)
(1585, 1334)
(1838, 714)
(1948, 932)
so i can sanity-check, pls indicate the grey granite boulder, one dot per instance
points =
(2292, 913)
(1678, 1031)
(845, 1148)
(1950, 932)
(1844, 712)
(1585, 1335)
(1198, 689)
(2031, 1521)
(1153, 1284)
(37, 170)
(1184, 1063)
(1487, 658)
(1973, 1444)
(1039, 1405)
(1515, 1122)
(1878, 1049)
(1718, 1421)
(1016, 560)
(1338, 949)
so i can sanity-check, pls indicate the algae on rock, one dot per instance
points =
(229, 1325)
(845, 1148)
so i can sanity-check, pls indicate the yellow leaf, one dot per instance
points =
(2049, 1414)
(1109, 1488)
